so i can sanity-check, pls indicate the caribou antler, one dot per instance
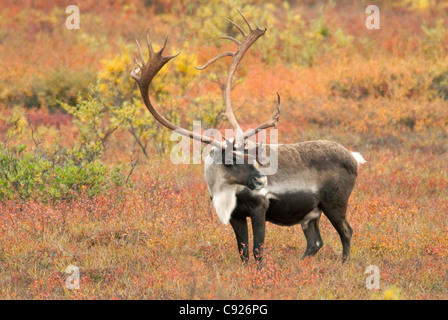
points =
(268, 124)
(243, 46)
(144, 72)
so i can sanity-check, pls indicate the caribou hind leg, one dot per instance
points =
(345, 233)
(337, 217)
(313, 239)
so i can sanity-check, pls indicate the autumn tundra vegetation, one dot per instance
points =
(86, 178)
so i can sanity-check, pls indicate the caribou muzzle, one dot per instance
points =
(257, 182)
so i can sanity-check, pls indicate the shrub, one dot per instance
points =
(54, 172)
(440, 84)
(48, 89)
(28, 175)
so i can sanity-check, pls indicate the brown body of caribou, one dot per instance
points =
(311, 177)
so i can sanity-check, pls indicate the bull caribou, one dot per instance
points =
(312, 177)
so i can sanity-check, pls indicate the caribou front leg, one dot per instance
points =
(258, 217)
(239, 225)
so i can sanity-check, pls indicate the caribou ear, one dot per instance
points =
(216, 155)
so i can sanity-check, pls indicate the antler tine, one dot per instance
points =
(245, 20)
(147, 71)
(164, 46)
(238, 27)
(134, 73)
(149, 43)
(211, 61)
(243, 46)
(141, 53)
(138, 64)
(230, 38)
(277, 110)
(268, 124)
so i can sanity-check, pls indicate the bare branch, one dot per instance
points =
(134, 164)
(28, 119)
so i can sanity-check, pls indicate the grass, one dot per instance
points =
(163, 241)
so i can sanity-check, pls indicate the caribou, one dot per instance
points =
(311, 177)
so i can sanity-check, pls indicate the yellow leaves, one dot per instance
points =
(207, 12)
(392, 293)
(115, 85)
(419, 4)
(117, 65)
(103, 87)
(184, 63)
(342, 39)
(129, 7)
(16, 123)
(184, 69)
(296, 19)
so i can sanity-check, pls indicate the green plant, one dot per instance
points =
(434, 43)
(27, 175)
(440, 84)
(55, 172)
(91, 118)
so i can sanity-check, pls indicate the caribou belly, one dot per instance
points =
(291, 208)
